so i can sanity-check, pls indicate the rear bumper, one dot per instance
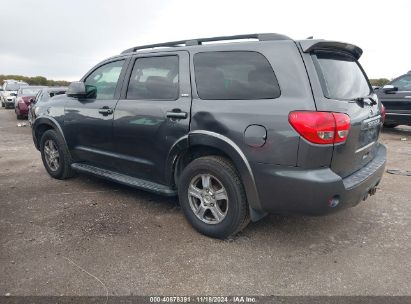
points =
(314, 192)
(23, 111)
(398, 118)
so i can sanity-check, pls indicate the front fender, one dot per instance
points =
(48, 121)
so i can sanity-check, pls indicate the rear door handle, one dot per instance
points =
(177, 114)
(105, 110)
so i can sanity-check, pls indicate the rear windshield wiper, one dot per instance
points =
(362, 99)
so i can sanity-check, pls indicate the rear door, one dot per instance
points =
(152, 114)
(341, 80)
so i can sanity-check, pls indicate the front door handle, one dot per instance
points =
(178, 114)
(105, 110)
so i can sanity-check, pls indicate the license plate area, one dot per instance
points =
(370, 130)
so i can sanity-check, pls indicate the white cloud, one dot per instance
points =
(63, 39)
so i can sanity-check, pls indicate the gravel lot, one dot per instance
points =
(86, 236)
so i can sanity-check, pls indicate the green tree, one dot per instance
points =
(380, 82)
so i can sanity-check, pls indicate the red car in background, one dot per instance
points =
(24, 97)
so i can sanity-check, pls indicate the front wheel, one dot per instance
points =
(212, 197)
(55, 155)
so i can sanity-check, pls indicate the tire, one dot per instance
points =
(222, 177)
(63, 169)
(3, 104)
(390, 125)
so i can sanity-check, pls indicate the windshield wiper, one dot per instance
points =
(362, 99)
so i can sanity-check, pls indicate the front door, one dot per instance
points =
(88, 122)
(153, 114)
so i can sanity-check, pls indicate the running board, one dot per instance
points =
(125, 179)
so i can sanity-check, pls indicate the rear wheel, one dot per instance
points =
(55, 155)
(2, 104)
(212, 197)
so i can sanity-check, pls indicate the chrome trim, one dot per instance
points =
(402, 114)
(365, 147)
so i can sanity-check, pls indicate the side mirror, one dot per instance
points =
(76, 89)
(31, 100)
(389, 89)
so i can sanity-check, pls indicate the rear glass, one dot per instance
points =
(234, 75)
(30, 91)
(341, 76)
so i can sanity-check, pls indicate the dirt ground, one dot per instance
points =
(86, 236)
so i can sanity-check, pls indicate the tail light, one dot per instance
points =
(383, 113)
(321, 127)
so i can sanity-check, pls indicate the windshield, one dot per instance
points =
(30, 91)
(341, 76)
(14, 86)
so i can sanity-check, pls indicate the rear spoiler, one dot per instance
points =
(311, 45)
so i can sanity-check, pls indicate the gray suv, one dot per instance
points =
(237, 130)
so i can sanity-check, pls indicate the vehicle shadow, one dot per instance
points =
(400, 130)
(325, 233)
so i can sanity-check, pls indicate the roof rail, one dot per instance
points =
(199, 41)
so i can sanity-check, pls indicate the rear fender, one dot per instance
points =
(226, 145)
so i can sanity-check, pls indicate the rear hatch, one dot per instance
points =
(344, 87)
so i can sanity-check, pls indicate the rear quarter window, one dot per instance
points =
(234, 75)
(341, 76)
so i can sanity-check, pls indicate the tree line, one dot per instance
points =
(36, 80)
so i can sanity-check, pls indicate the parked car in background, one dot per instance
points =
(236, 130)
(25, 95)
(41, 99)
(10, 88)
(396, 98)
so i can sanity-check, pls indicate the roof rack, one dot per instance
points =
(199, 41)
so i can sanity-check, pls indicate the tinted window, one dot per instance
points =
(234, 75)
(102, 82)
(341, 76)
(154, 78)
(403, 83)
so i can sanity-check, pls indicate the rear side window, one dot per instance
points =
(234, 75)
(154, 78)
(341, 76)
(403, 83)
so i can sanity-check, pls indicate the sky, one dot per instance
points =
(63, 39)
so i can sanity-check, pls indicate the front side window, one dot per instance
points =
(403, 83)
(234, 75)
(102, 82)
(341, 76)
(154, 78)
